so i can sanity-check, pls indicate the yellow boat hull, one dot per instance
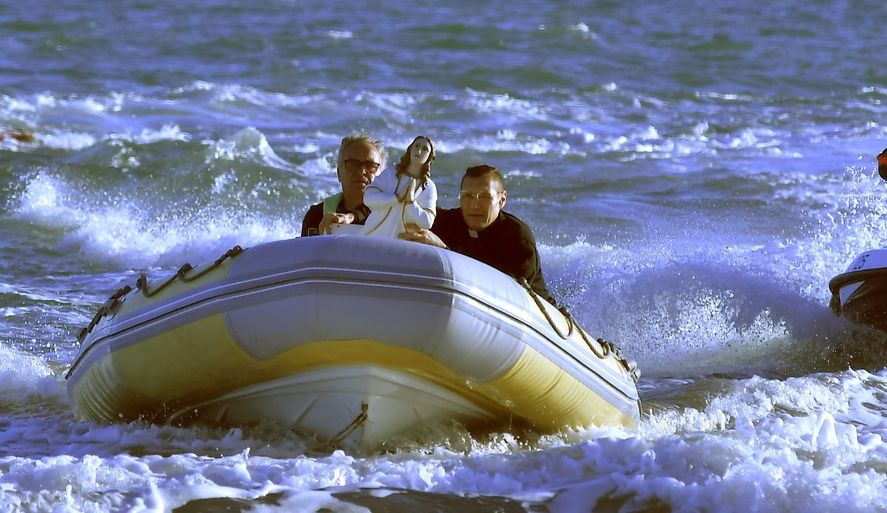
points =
(356, 340)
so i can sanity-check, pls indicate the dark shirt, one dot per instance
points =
(507, 244)
(312, 219)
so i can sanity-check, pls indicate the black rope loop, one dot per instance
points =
(142, 286)
(231, 253)
(183, 272)
(142, 282)
(358, 421)
(149, 293)
(604, 350)
(630, 366)
(606, 347)
(538, 301)
(109, 306)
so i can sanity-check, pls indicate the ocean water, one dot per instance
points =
(695, 172)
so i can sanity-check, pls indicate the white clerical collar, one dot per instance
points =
(472, 233)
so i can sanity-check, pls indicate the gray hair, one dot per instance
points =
(361, 137)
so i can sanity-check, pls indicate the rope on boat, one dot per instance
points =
(182, 273)
(142, 285)
(606, 347)
(350, 428)
(561, 309)
(110, 305)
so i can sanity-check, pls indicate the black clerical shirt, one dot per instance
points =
(507, 244)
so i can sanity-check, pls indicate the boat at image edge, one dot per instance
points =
(860, 292)
(352, 339)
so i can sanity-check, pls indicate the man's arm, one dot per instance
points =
(524, 261)
(415, 233)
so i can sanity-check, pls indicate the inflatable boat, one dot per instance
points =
(353, 340)
(860, 292)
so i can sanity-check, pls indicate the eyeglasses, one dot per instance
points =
(483, 197)
(354, 166)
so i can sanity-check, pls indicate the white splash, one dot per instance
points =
(124, 234)
(249, 144)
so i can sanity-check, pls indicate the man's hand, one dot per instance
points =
(414, 233)
(330, 218)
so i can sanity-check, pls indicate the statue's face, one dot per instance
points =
(420, 150)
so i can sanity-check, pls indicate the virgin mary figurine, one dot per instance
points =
(408, 197)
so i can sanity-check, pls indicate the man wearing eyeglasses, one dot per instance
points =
(359, 161)
(479, 228)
